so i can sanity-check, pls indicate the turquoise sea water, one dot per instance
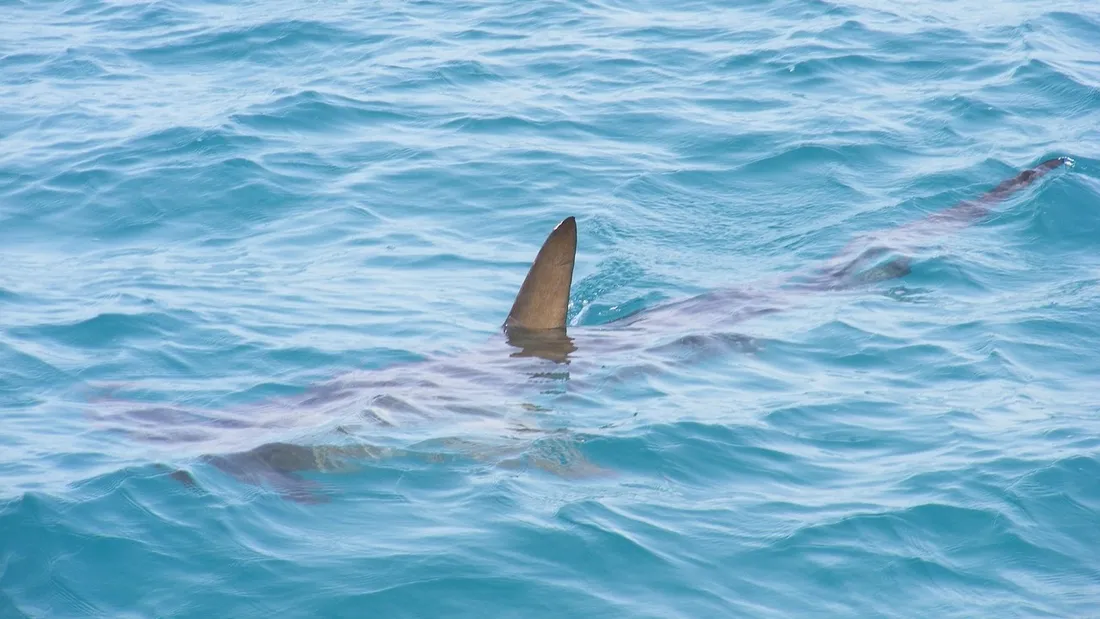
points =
(208, 207)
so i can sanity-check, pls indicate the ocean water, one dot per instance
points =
(207, 208)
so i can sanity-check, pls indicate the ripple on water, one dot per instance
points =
(208, 208)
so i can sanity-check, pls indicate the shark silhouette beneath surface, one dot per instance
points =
(477, 394)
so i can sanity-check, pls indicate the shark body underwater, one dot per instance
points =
(480, 390)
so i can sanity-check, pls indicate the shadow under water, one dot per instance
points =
(480, 402)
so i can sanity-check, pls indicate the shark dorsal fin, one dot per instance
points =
(543, 298)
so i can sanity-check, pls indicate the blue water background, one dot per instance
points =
(213, 204)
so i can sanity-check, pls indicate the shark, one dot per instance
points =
(375, 414)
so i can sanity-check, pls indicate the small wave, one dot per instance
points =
(108, 329)
(316, 111)
(252, 43)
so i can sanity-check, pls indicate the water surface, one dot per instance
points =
(212, 207)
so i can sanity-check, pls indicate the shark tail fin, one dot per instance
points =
(543, 299)
(1025, 178)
